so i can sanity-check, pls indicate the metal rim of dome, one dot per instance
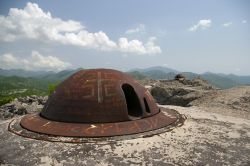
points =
(16, 128)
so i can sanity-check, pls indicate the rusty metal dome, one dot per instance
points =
(96, 103)
(99, 96)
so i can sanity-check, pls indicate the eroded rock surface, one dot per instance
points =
(205, 139)
(179, 91)
(237, 98)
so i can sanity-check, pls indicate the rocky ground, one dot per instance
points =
(22, 106)
(234, 101)
(216, 132)
(205, 139)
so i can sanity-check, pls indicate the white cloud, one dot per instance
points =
(202, 24)
(35, 61)
(227, 24)
(33, 23)
(244, 21)
(136, 45)
(140, 29)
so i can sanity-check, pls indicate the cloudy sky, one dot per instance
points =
(194, 35)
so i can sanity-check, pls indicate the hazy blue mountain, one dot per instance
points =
(16, 83)
(62, 75)
(158, 68)
(220, 81)
(47, 75)
(137, 75)
(24, 73)
(240, 79)
(157, 72)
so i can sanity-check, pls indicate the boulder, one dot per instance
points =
(7, 115)
(179, 91)
(160, 94)
(174, 96)
(21, 111)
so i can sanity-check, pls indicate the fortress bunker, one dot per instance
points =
(96, 103)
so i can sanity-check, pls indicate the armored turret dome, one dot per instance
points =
(97, 103)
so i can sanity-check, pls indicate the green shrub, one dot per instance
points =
(52, 87)
(5, 100)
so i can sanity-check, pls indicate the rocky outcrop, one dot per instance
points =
(237, 99)
(22, 106)
(179, 91)
(179, 77)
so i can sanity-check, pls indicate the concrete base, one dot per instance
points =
(205, 138)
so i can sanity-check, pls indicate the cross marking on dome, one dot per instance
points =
(103, 87)
(99, 87)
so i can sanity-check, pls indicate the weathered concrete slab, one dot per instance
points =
(205, 138)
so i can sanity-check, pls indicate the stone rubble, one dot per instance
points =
(22, 106)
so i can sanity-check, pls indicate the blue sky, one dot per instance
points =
(194, 35)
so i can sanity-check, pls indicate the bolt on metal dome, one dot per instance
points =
(98, 103)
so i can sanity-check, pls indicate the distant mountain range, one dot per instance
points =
(156, 68)
(18, 83)
(219, 80)
(157, 72)
(24, 73)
